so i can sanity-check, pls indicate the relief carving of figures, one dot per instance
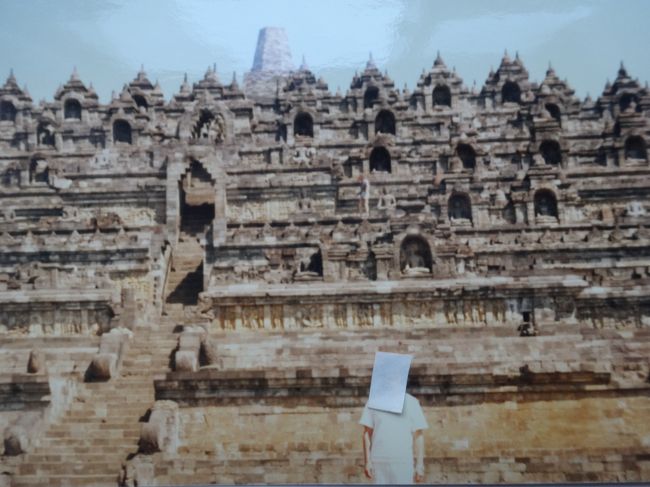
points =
(387, 201)
(209, 127)
(309, 317)
(304, 156)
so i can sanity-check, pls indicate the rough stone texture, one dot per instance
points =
(271, 64)
(506, 246)
(36, 363)
(272, 53)
(160, 433)
(106, 363)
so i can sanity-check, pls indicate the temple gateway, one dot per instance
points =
(191, 290)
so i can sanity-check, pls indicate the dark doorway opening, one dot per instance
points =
(188, 289)
(196, 200)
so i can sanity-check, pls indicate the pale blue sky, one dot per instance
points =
(108, 39)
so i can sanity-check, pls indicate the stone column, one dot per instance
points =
(384, 256)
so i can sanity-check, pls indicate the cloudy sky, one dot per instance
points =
(108, 40)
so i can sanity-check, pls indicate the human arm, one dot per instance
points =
(418, 440)
(367, 441)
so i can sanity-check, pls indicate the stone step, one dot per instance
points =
(65, 458)
(116, 440)
(115, 420)
(68, 430)
(139, 388)
(129, 396)
(187, 264)
(133, 411)
(80, 466)
(99, 480)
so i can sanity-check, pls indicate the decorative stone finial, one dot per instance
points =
(141, 74)
(303, 64)
(550, 71)
(185, 86)
(438, 62)
(371, 63)
(75, 75)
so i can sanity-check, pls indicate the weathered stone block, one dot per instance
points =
(36, 362)
(160, 433)
(15, 441)
(189, 341)
(186, 361)
(102, 367)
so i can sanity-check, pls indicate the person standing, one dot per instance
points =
(388, 443)
(364, 194)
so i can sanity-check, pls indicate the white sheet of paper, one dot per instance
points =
(388, 383)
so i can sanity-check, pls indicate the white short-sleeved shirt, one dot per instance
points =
(392, 437)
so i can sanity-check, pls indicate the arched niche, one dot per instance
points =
(370, 96)
(415, 256)
(635, 148)
(510, 93)
(551, 152)
(545, 203)
(459, 207)
(313, 264)
(303, 125)
(72, 109)
(141, 102)
(39, 171)
(626, 100)
(197, 199)
(380, 160)
(7, 111)
(45, 134)
(122, 132)
(385, 122)
(209, 127)
(554, 111)
(441, 96)
(467, 155)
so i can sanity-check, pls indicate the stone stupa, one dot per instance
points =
(272, 62)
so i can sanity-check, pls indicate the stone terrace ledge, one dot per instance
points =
(439, 286)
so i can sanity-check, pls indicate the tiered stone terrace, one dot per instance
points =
(189, 292)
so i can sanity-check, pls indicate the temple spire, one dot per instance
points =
(438, 61)
(371, 62)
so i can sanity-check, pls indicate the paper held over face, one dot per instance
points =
(388, 383)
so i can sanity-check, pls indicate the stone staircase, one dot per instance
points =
(185, 279)
(90, 442)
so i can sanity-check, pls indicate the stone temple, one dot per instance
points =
(190, 291)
